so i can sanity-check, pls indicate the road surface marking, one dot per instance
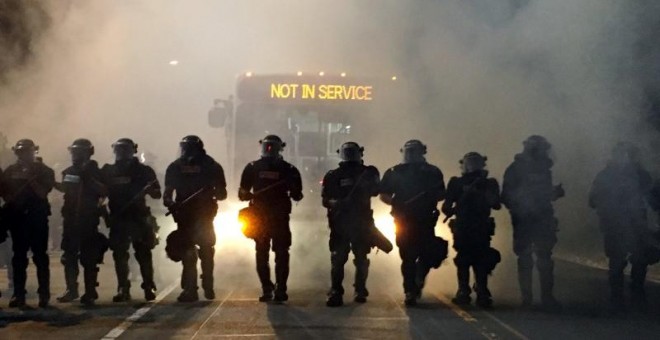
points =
(469, 318)
(212, 314)
(506, 326)
(129, 321)
(258, 335)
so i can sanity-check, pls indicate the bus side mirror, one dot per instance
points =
(217, 117)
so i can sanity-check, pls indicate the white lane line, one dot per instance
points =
(212, 314)
(467, 317)
(129, 321)
(505, 326)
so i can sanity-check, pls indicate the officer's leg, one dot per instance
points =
(523, 248)
(120, 243)
(144, 258)
(89, 253)
(206, 253)
(361, 262)
(19, 263)
(281, 245)
(462, 262)
(262, 250)
(481, 272)
(69, 259)
(544, 243)
(409, 257)
(39, 246)
(638, 277)
(339, 249)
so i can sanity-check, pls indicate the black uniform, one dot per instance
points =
(470, 198)
(618, 194)
(130, 218)
(25, 187)
(195, 218)
(416, 189)
(351, 219)
(274, 206)
(83, 192)
(528, 193)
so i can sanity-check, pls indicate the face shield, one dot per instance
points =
(123, 151)
(80, 155)
(351, 152)
(473, 163)
(271, 148)
(26, 154)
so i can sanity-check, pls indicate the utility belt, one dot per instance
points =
(459, 226)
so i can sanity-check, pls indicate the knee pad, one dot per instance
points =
(281, 256)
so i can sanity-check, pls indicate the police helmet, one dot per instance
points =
(175, 246)
(126, 142)
(271, 146)
(25, 144)
(82, 144)
(192, 140)
(413, 151)
(473, 161)
(537, 143)
(351, 152)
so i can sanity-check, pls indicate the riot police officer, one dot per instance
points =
(528, 193)
(128, 182)
(618, 195)
(413, 188)
(471, 198)
(198, 182)
(25, 189)
(270, 183)
(347, 193)
(83, 188)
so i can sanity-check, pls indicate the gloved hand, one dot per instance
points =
(559, 191)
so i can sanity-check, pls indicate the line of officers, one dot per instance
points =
(194, 183)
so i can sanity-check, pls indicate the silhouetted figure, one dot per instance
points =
(83, 189)
(470, 198)
(528, 193)
(618, 194)
(193, 185)
(25, 187)
(413, 189)
(270, 183)
(130, 219)
(347, 193)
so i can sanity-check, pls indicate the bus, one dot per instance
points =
(313, 114)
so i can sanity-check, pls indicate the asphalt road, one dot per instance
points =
(237, 314)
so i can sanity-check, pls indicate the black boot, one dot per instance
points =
(335, 299)
(547, 281)
(123, 293)
(463, 294)
(17, 301)
(149, 291)
(188, 295)
(71, 279)
(484, 298)
(637, 290)
(267, 293)
(281, 275)
(70, 294)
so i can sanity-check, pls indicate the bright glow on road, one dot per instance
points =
(174, 62)
(385, 223)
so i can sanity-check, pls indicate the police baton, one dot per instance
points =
(186, 201)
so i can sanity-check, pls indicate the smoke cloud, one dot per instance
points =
(476, 76)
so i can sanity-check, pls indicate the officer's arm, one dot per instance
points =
(295, 185)
(94, 179)
(247, 177)
(44, 183)
(373, 181)
(440, 187)
(595, 192)
(509, 186)
(327, 200)
(168, 193)
(493, 194)
(153, 186)
(450, 198)
(220, 184)
(386, 188)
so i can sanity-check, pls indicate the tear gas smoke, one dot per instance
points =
(479, 76)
